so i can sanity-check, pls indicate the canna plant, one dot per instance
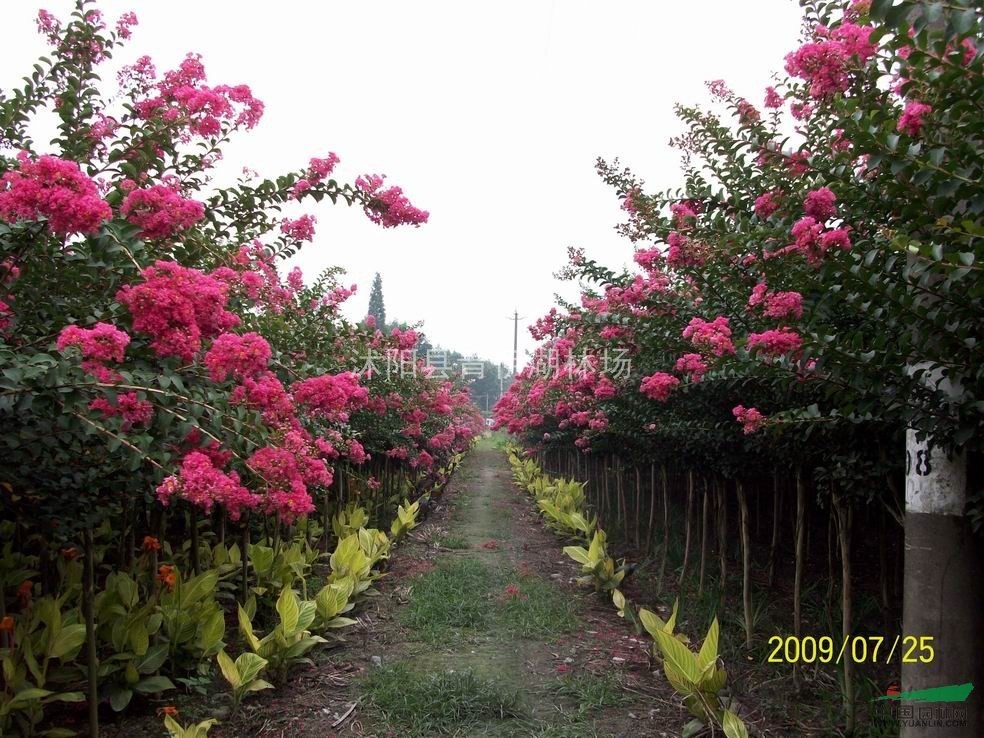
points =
(286, 645)
(406, 518)
(276, 568)
(332, 602)
(197, 730)
(243, 675)
(348, 520)
(350, 561)
(125, 626)
(598, 567)
(697, 677)
(43, 641)
(192, 621)
(375, 544)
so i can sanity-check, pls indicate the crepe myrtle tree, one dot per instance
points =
(825, 245)
(150, 350)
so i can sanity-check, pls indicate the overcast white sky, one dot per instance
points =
(489, 114)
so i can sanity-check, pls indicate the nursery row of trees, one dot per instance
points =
(804, 313)
(178, 419)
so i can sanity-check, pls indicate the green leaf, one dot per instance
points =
(69, 640)
(679, 656)
(289, 610)
(257, 684)
(249, 666)
(709, 649)
(733, 727)
(119, 698)
(197, 587)
(578, 553)
(153, 660)
(246, 628)
(153, 684)
(229, 669)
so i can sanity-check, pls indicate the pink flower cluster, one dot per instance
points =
(242, 356)
(205, 485)
(658, 386)
(177, 306)
(299, 229)
(819, 204)
(181, 98)
(101, 344)
(55, 189)
(288, 471)
(712, 337)
(814, 242)
(826, 62)
(128, 406)
(767, 203)
(390, 207)
(691, 365)
(331, 396)
(751, 419)
(911, 120)
(319, 169)
(254, 272)
(775, 342)
(160, 211)
(683, 252)
(266, 394)
(776, 304)
(126, 22)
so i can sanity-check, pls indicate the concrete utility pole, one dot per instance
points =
(515, 319)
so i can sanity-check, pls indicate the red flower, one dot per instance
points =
(167, 577)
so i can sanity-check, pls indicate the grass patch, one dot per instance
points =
(466, 593)
(590, 691)
(539, 609)
(456, 543)
(564, 730)
(437, 703)
(454, 595)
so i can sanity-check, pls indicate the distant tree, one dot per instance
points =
(376, 307)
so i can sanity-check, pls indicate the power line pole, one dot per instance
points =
(515, 319)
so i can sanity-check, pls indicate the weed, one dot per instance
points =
(437, 703)
(455, 595)
(456, 543)
(539, 609)
(590, 691)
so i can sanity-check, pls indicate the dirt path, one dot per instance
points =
(478, 629)
(483, 632)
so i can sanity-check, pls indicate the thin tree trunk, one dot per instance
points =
(652, 508)
(687, 526)
(88, 613)
(638, 510)
(620, 482)
(831, 535)
(703, 539)
(800, 540)
(244, 571)
(723, 534)
(193, 524)
(844, 514)
(746, 564)
(666, 528)
(776, 516)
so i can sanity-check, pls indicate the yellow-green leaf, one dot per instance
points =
(709, 649)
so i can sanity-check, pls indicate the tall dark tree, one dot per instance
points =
(376, 307)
